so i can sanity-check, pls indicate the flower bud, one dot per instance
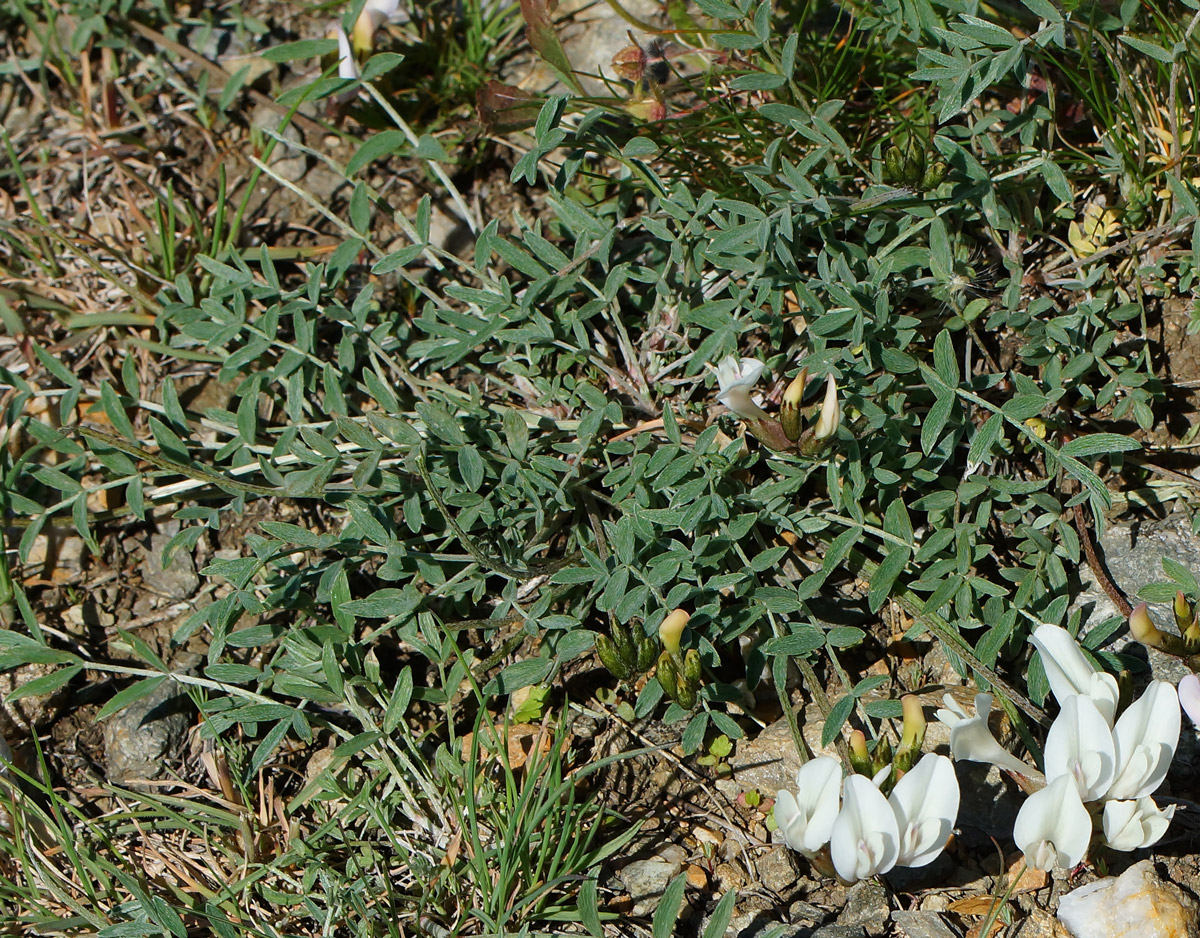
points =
(623, 642)
(860, 758)
(607, 652)
(1142, 627)
(831, 412)
(647, 648)
(671, 629)
(934, 175)
(913, 735)
(1183, 611)
(668, 675)
(789, 412)
(691, 669)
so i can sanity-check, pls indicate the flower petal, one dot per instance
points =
(1146, 736)
(347, 66)
(925, 802)
(1189, 697)
(1053, 828)
(738, 400)
(806, 818)
(1132, 825)
(865, 837)
(1069, 671)
(972, 740)
(1080, 745)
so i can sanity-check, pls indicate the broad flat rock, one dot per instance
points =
(1136, 904)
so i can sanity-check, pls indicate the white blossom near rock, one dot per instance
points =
(1132, 825)
(735, 380)
(1069, 671)
(806, 819)
(971, 739)
(866, 838)
(1053, 828)
(1146, 736)
(925, 802)
(1136, 904)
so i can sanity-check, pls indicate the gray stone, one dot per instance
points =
(179, 580)
(1040, 924)
(921, 925)
(21, 718)
(770, 761)
(140, 740)
(591, 34)
(840, 931)
(645, 880)
(1133, 556)
(867, 906)
(756, 917)
(215, 42)
(805, 913)
(777, 871)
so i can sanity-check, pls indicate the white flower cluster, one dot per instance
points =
(1089, 760)
(864, 832)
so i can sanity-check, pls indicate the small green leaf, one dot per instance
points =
(303, 49)
(721, 915)
(885, 577)
(839, 713)
(666, 916)
(132, 693)
(589, 908)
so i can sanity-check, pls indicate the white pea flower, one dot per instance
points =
(1145, 736)
(1053, 828)
(865, 838)
(925, 802)
(806, 819)
(971, 739)
(735, 380)
(1080, 746)
(1069, 671)
(1132, 825)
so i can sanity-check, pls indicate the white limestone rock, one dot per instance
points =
(1136, 904)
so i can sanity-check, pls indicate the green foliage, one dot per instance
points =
(521, 444)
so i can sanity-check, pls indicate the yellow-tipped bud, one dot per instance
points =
(1142, 627)
(831, 412)
(1184, 614)
(913, 734)
(860, 758)
(789, 412)
(671, 629)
